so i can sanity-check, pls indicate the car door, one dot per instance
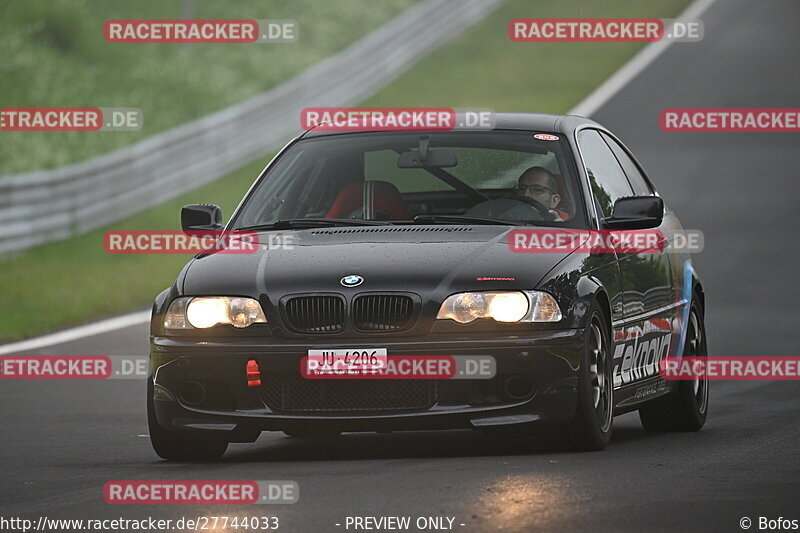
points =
(642, 336)
(674, 300)
(650, 274)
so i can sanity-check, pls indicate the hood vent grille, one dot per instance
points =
(390, 229)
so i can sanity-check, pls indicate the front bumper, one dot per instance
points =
(202, 385)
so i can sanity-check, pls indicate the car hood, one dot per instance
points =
(427, 260)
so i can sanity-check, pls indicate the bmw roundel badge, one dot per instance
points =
(352, 280)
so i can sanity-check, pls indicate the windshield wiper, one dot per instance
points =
(461, 219)
(294, 223)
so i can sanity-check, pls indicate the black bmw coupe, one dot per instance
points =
(378, 246)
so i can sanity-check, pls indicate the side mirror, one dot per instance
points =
(201, 217)
(636, 212)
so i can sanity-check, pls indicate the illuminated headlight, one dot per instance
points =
(502, 306)
(207, 311)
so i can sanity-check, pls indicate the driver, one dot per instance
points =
(539, 184)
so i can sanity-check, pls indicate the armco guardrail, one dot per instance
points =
(42, 206)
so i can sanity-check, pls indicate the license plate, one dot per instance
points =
(362, 360)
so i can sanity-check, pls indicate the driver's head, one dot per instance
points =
(540, 184)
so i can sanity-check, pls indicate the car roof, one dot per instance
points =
(507, 121)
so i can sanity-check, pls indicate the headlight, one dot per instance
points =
(207, 311)
(502, 306)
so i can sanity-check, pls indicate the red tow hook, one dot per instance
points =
(253, 374)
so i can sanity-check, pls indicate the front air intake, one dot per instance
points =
(316, 313)
(382, 312)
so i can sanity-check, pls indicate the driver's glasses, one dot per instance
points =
(534, 189)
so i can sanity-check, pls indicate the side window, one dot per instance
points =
(638, 182)
(606, 177)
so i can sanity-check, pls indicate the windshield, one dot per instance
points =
(437, 177)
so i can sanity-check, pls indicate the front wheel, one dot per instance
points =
(685, 408)
(181, 446)
(591, 427)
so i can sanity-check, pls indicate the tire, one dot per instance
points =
(594, 415)
(181, 446)
(685, 408)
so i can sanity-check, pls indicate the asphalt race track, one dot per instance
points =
(62, 440)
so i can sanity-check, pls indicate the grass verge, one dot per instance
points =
(69, 282)
(55, 55)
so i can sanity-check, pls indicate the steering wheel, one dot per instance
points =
(513, 208)
(539, 206)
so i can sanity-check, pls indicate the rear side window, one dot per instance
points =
(606, 177)
(635, 177)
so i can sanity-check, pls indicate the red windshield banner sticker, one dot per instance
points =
(545, 137)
